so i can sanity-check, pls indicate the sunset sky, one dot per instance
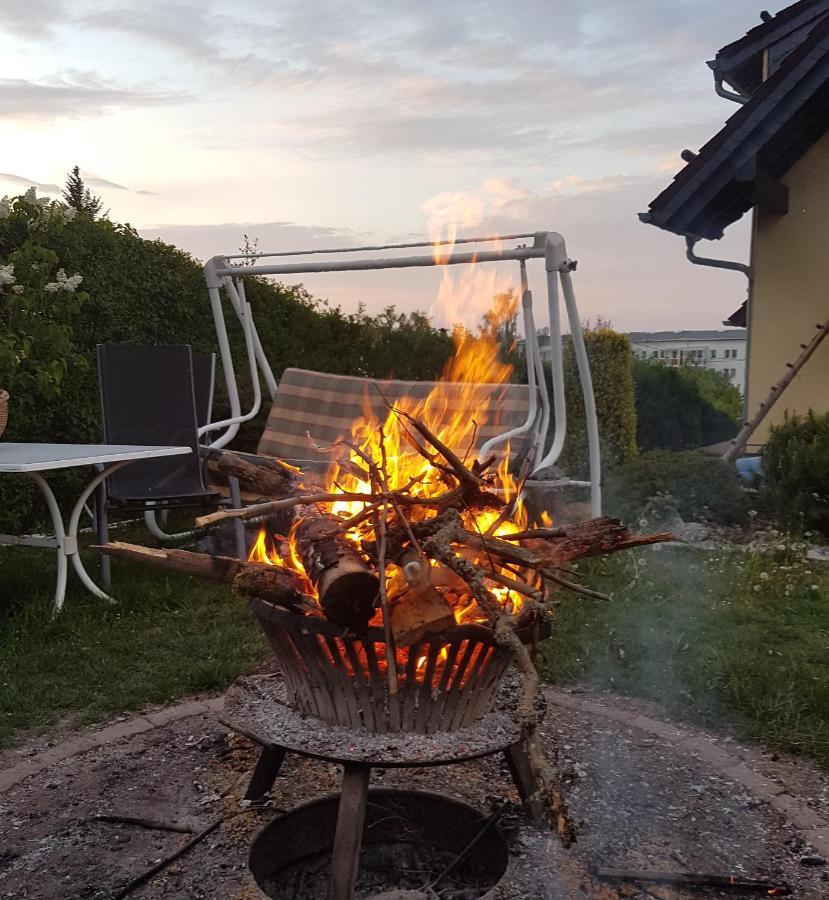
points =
(308, 124)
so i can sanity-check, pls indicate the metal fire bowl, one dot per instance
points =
(398, 824)
(445, 682)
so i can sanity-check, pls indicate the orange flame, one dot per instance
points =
(466, 384)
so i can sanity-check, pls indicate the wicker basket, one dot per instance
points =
(4, 410)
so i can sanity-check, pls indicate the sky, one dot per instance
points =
(307, 124)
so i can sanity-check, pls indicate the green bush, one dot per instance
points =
(677, 409)
(609, 355)
(796, 472)
(700, 487)
(148, 292)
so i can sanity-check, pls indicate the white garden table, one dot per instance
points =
(34, 459)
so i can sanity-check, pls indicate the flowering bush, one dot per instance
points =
(38, 302)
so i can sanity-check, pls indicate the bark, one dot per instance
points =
(346, 586)
(272, 583)
(264, 477)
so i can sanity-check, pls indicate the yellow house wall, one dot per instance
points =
(790, 295)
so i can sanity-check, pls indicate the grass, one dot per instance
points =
(730, 640)
(168, 636)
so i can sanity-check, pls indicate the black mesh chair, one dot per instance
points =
(148, 396)
(156, 396)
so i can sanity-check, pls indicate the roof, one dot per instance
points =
(647, 337)
(739, 167)
(740, 63)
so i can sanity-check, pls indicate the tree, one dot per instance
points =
(77, 195)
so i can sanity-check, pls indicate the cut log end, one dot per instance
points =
(349, 598)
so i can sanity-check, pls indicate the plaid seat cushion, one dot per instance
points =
(326, 406)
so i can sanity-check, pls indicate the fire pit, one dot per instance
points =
(445, 682)
(412, 839)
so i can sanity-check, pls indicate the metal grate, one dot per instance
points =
(445, 682)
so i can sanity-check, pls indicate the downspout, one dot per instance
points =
(731, 265)
(691, 242)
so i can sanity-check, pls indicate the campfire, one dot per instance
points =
(397, 589)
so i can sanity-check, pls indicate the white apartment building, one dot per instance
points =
(723, 351)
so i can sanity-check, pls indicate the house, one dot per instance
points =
(771, 159)
(723, 351)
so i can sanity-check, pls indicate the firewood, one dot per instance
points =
(274, 583)
(345, 584)
(418, 611)
(265, 477)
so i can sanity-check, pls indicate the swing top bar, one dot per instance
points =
(538, 250)
(370, 247)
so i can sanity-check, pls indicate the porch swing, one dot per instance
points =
(318, 403)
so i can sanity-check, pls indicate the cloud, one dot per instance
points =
(71, 95)
(20, 181)
(95, 181)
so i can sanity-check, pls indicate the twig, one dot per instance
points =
(172, 857)
(152, 824)
(391, 655)
(491, 820)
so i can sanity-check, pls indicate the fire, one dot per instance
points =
(465, 384)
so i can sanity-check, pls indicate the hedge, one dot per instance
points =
(796, 472)
(609, 354)
(148, 292)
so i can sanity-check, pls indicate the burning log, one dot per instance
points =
(266, 477)
(345, 584)
(417, 611)
(275, 583)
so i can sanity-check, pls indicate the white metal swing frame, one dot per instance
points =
(220, 273)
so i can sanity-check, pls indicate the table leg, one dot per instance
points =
(348, 838)
(74, 523)
(60, 536)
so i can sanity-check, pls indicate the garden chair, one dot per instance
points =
(155, 396)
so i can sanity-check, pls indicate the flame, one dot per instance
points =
(466, 384)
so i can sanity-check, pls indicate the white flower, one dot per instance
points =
(764, 576)
(7, 275)
(18, 289)
(73, 281)
(52, 287)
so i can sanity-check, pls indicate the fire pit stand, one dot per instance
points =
(257, 708)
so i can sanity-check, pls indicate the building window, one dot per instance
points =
(654, 354)
(713, 353)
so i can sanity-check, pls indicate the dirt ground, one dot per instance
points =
(642, 804)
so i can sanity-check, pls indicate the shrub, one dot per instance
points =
(148, 292)
(609, 355)
(796, 472)
(672, 412)
(700, 486)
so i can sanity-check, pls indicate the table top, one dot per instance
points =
(42, 457)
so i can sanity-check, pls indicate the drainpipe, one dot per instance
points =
(691, 242)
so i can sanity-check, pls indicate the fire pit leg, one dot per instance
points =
(525, 782)
(267, 768)
(345, 859)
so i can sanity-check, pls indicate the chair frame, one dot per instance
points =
(221, 273)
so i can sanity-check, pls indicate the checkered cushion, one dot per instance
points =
(326, 405)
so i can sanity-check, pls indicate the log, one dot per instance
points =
(265, 477)
(418, 611)
(345, 584)
(273, 583)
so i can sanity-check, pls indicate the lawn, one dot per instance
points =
(732, 640)
(168, 636)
